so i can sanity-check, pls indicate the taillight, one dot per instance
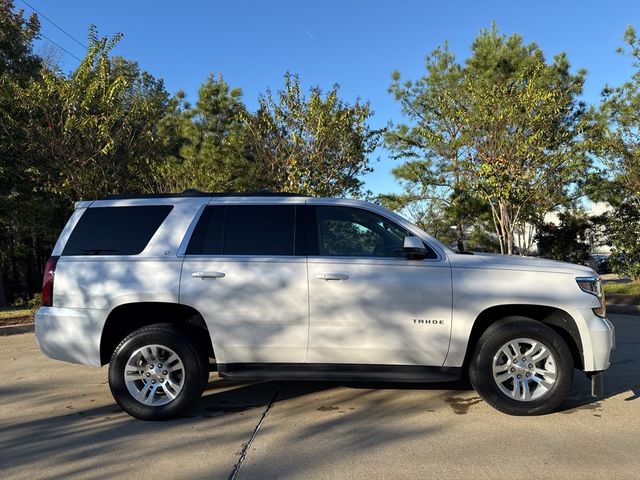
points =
(47, 281)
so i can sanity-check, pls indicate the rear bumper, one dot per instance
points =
(70, 334)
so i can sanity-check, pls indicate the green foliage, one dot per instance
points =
(208, 150)
(523, 121)
(624, 232)
(31, 304)
(430, 215)
(626, 288)
(497, 135)
(23, 236)
(434, 144)
(17, 60)
(567, 241)
(95, 132)
(317, 145)
(619, 143)
(620, 107)
(109, 127)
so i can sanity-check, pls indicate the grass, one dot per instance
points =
(13, 312)
(629, 288)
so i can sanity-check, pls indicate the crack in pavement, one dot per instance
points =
(246, 446)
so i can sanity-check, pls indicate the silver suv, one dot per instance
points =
(164, 288)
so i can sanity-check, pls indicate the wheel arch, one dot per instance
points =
(128, 317)
(559, 320)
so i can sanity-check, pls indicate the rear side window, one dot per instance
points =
(245, 230)
(115, 230)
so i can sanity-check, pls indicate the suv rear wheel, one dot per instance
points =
(521, 367)
(157, 371)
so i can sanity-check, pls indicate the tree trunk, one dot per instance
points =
(459, 235)
(507, 226)
(498, 226)
(3, 300)
(509, 243)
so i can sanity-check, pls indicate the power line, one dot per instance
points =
(60, 47)
(58, 27)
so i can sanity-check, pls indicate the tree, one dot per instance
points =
(64, 138)
(568, 241)
(208, 149)
(317, 145)
(624, 232)
(435, 143)
(18, 66)
(95, 132)
(619, 144)
(17, 60)
(498, 134)
(523, 124)
(621, 106)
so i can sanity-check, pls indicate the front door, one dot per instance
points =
(368, 303)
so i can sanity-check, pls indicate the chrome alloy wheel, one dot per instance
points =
(524, 369)
(154, 375)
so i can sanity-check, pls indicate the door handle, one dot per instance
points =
(332, 276)
(207, 274)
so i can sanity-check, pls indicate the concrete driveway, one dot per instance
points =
(59, 421)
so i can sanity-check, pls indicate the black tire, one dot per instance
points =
(490, 345)
(192, 375)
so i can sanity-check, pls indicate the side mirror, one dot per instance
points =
(413, 248)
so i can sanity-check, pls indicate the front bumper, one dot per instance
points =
(70, 334)
(598, 341)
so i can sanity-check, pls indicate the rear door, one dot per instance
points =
(368, 303)
(246, 273)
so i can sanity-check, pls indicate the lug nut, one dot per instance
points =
(159, 365)
(165, 372)
(528, 374)
(148, 374)
(513, 369)
(519, 376)
(153, 381)
(151, 366)
(161, 380)
(524, 359)
(530, 366)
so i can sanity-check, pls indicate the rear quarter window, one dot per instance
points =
(115, 230)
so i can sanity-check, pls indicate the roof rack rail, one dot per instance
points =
(197, 193)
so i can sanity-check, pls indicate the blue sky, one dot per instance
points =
(354, 43)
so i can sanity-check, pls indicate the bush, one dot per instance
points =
(624, 235)
(33, 303)
(566, 242)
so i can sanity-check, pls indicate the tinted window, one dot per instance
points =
(207, 236)
(353, 232)
(245, 230)
(115, 230)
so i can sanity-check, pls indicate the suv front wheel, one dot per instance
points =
(521, 367)
(156, 372)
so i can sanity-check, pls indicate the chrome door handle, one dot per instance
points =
(332, 276)
(207, 274)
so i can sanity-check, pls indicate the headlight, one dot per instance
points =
(593, 285)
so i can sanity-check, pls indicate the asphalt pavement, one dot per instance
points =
(59, 420)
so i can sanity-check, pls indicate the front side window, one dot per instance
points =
(245, 230)
(353, 232)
